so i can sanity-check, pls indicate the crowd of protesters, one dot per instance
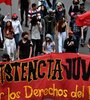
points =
(48, 29)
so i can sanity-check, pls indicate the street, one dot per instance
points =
(14, 9)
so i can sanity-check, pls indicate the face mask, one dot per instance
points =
(25, 38)
(14, 18)
(70, 37)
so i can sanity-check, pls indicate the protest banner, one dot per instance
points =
(64, 76)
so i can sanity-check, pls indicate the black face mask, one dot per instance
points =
(70, 37)
(14, 19)
(25, 39)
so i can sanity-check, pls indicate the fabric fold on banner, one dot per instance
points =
(7, 2)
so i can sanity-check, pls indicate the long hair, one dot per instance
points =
(9, 28)
(34, 21)
(60, 23)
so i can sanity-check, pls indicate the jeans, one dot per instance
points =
(61, 38)
(16, 36)
(10, 47)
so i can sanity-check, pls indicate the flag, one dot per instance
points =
(7, 2)
(83, 19)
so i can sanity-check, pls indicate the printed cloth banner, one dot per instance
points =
(7, 2)
(83, 19)
(53, 76)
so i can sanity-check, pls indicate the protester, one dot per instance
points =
(61, 32)
(60, 11)
(70, 43)
(5, 57)
(76, 29)
(42, 30)
(84, 29)
(33, 12)
(43, 11)
(35, 28)
(48, 45)
(82, 8)
(24, 7)
(75, 7)
(24, 46)
(17, 28)
(50, 23)
(9, 43)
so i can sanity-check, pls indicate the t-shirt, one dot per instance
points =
(49, 47)
(24, 50)
(35, 31)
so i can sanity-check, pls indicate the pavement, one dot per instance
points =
(14, 9)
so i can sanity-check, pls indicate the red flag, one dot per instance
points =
(83, 19)
(7, 2)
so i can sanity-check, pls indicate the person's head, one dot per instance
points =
(75, 2)
(14, 16)
(5, 57)
(8, 24)
(82, 6)
(34, 6)
(59, 6)
(50, 12)
(43, 8)
(48, 38)
(70, 33)
(25, 36)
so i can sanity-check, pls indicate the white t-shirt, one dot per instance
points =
(17, 27)
(49, 47)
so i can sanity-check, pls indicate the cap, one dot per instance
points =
(14, 15)
(48, 36)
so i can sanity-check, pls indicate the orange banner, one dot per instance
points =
(53, 76)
